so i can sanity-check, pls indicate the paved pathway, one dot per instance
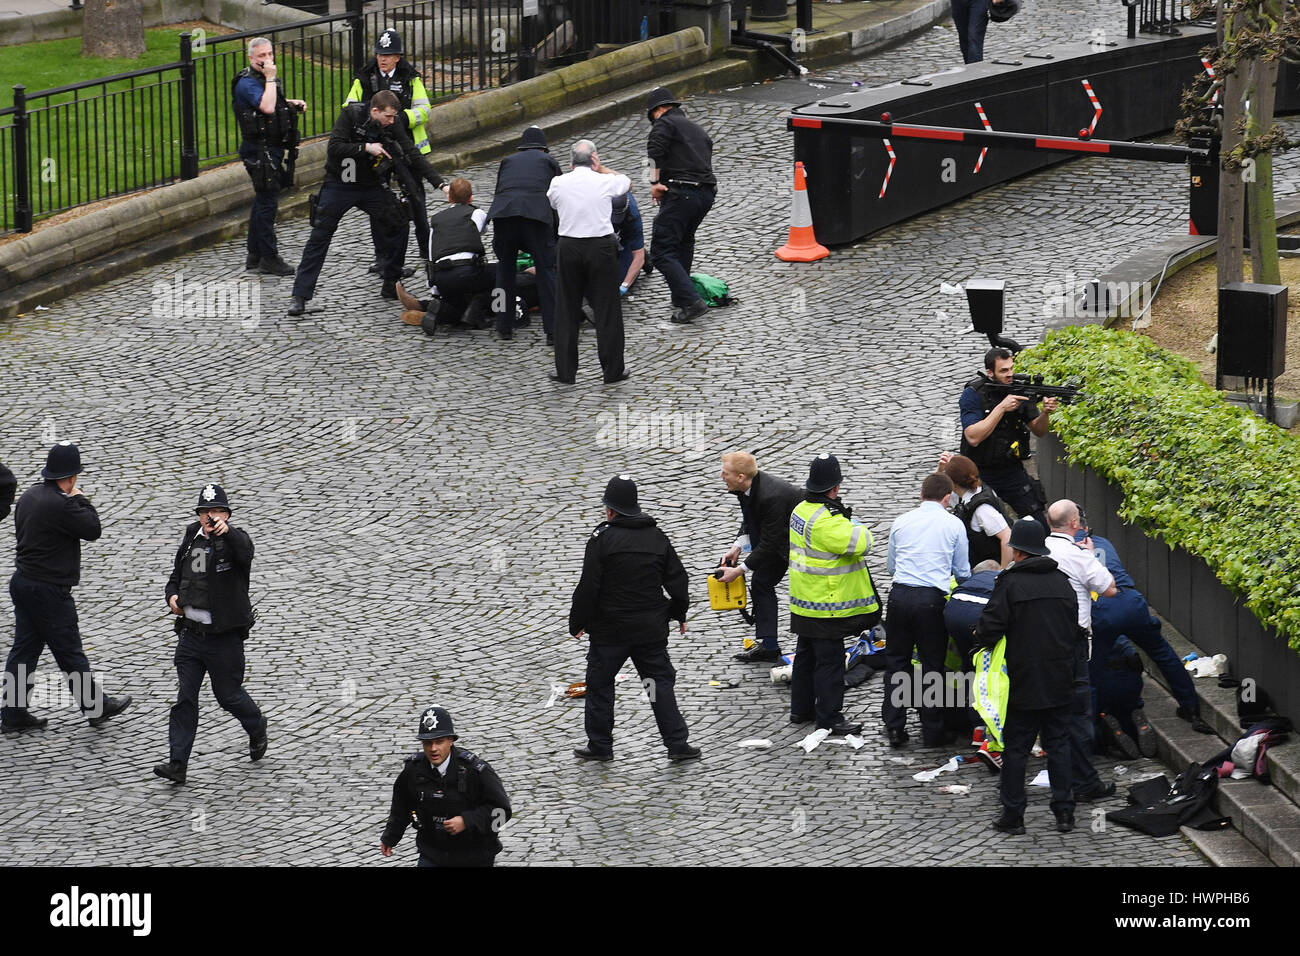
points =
(419, 509)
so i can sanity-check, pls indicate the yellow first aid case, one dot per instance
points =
(726, 597)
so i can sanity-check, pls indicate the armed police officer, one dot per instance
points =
(454, 798)
(208, 593)
(389, 70)
(366, 149)
(269, 124)
(684, 186)
(995, 434)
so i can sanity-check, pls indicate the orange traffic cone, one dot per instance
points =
(802, 246)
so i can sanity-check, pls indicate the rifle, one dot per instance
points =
(1032, 387)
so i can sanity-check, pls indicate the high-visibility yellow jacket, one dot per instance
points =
(410, 90)
(828, 567)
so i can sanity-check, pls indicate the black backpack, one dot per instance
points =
(1158, 808)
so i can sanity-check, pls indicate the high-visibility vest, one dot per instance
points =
(417, 114)
(828, 566)
(992, 687)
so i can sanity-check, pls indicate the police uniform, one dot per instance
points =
(619, 602)
(407, 85)
(831, 597)
(355, 179)
(464, 786)
(49, 527)
(266, 138)
(209, 579)
(982, 545)
(457, 264)
(683, 153)
(999, 456)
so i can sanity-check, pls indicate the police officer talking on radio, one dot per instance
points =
(454, 798)
(995, 435)
(268, 122)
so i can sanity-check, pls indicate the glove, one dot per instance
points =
(622, 290)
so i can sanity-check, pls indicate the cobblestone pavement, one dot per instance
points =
(419, 509)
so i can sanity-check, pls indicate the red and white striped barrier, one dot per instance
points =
(1096, 105)
(987, 125)
(888, 172)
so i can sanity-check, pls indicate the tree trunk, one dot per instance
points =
(1263, 218)
(1232, 193)
(113, 29)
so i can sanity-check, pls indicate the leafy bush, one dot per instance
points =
(1204, 474)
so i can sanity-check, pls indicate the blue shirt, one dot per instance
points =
(248, 93)
(927, 548)
(1107, 550)
(631, 236)
(972, 411)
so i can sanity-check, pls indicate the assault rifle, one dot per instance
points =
(1032, 387)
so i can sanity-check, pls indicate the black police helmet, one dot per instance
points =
(63, 461)
(213, 496)
(534, 138)
(659, 96)
(435, 722)
(389, 44)
(1002, 12)
(1029, 536)
(823, 473)
(620, 496)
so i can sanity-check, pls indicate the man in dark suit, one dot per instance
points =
(522, 218)
(8, 486)
(765, 505)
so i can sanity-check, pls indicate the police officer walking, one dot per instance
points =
(268, 122)
(522, 219)
(50, 522)
(390, 70)
(831, 596)
(366, 148)
(208, 591)
(685, 187)
(454, 798)
(620, 604)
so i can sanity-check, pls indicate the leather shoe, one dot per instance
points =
(1013, 823)
(693, 311)
(408, 272)
(563, 381)
(758, 655)
(1098, 793)
(389, 289)
(23, 721)
(376, 267)
(173, 771)
(843, 728)
(1198, 725)
(679, 318)
(297, 306)
(112, 707)
(408, 301)
(507, 336)
(802, 718)
(413, 316)
(257, 743)
(586, 753)
(428, 323)
(897, 738)
(687, 753)
(251, 261)
(276, 267)
(618, 378)
(1065, 821)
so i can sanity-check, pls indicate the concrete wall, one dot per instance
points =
(238, 15)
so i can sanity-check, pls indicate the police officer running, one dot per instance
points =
(208, 592)
(454, 798)
(685, 187)
(366, 148)
(268, 122)
(50, 522)
(620, 604)
(390, 70)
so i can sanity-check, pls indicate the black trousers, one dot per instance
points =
(1018, 737)
(588, 268)
(417, 203)
(657, 676)
(1082, 733)
(457, 285)
(817, 680)
(221, 657)
(335, 201)
(1016, 488)
(762, 594)
(510, 235)
(672, 239)
(914, 622)
(46, 615)
(266, 203)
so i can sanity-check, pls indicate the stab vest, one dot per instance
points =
(258, 128)
(981, 546)
(1009, 441)
(826, 583)
(453, 231)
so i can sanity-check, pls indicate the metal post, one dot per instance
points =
(804, 15)
(189, 136)
(1132, 21)
(75, 5)
(482, 47)
(22, 188)
(358, 35)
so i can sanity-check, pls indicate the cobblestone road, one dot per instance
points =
(419, 509)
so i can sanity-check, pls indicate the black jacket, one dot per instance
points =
(471, 790)
(227, 569)
(372, 82)
(771, 499)
(353, 130)
(49, 527)
(522, 181)
(681, 149)
(8, 485)
(1033, 604)
(620, 598)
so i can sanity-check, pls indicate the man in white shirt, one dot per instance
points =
(587, 263)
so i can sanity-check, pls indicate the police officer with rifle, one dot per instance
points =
(366, 150)
(269, 124)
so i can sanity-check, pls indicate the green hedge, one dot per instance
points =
(1203, 474)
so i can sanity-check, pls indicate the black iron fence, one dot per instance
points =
(84, 142)
(1162, 16)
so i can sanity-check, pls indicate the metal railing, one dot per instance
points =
(1164, 16)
